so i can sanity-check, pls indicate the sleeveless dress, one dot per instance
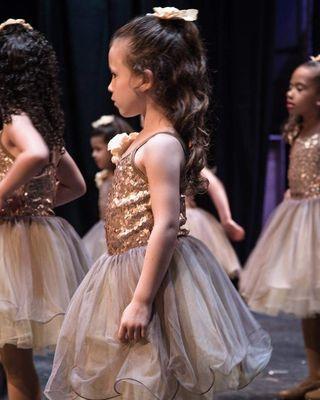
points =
(41, 262)
(283, 272)
(201, 337)
(94, 240)
(205, 227)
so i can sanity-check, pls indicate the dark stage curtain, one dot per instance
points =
(315, 27)
(239, 38)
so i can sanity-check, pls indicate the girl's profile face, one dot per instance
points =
(303, 92)
(100, 153)
(124, 84)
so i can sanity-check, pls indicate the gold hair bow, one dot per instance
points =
(104, 120)
(315, 58)
(12, 21)
(172, 13)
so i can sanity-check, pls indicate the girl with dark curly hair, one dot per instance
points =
(104, 129)
(41, 256)
(158, 318)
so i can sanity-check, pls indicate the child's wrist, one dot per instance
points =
(145, 300)
(226, 220)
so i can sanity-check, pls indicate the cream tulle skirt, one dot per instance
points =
(203, 226)
(41, 265)
(201, 337)
(95, 241)
(283, 272)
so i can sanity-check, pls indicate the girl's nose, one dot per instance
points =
(109, 87)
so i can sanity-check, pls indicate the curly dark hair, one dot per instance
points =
(293, 125)
(172, 49)
(29, 82)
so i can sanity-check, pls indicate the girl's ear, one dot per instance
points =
(147, 80)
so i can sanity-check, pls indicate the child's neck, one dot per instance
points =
(155, 121)
(310, 125)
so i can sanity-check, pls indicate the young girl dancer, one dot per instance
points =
(104, 129)
(41, 257)
(202, 225)
(283, 272)
(157, 318)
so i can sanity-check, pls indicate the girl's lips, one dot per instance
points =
(290, 105)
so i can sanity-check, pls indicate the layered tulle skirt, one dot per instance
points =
(283, 272)
(42, 262)
(95, 241)
(203, 226)
(201, 337)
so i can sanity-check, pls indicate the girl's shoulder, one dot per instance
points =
(161, 150)
(166, 143)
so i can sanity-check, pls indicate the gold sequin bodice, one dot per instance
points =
(35, 198)
(304, 167)
(129, 218)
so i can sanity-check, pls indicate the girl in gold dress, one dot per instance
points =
(283, 272)
(41, 257)
(104, 129)
(158, 318)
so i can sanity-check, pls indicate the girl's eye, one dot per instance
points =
(113, 75)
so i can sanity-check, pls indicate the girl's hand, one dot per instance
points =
(134, 321)
(234, 231)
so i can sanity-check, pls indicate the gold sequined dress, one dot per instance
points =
(94, 240)
(41, 262)
(205, 227)
(201, 337)
(283, 272)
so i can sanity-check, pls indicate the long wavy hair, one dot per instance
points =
(29, 82)
(293, 125)
(172, 49)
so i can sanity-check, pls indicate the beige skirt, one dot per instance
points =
(203, 226)
(42, 262)
(95, 241)
(201, 338)
(283, 272)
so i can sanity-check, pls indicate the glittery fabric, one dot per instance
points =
(36, 198)
(304, 168)
(129, 218)
(103, 195)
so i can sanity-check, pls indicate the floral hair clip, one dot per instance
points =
(174, 13)
(104, 120)
(12, 21)
(315, 58)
